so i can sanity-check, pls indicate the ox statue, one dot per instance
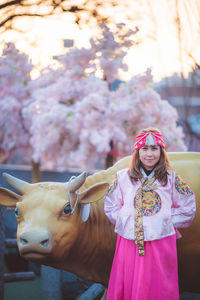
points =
(63, 224)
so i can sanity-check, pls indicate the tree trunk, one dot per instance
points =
(36, 174)
(110, 158)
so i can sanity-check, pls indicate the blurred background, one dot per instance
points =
(79, 79)
(68, 66)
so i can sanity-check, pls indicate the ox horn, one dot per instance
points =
(77, 182)
(16, 183)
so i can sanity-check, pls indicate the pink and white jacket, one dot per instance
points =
(165, 208)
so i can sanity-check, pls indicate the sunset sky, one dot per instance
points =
(159, 46)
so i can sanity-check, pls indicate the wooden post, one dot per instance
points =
(36, 174)
(109, 158)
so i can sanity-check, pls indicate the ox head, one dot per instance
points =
(49, 215)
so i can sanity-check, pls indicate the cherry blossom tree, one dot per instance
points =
(70, 116)
(75, 119)
(14, 78)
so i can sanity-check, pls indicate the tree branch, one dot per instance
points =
(90, 6)
(10, 3)
(23, 15)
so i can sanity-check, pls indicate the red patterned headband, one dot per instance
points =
(149, 139)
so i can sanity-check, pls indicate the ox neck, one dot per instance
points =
(85, 258)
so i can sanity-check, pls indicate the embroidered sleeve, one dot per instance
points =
(182, 187)
(113, 186)
(184, 205)
(113, 201)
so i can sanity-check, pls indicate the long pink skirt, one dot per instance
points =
(150, 277)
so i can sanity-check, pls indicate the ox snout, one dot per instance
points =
(34, 243)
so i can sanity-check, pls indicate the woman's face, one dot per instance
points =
(149, 156)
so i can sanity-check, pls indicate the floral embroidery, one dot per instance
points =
(113, 186)
(151, 203)
(182, 187)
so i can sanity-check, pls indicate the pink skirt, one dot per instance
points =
(150, 277)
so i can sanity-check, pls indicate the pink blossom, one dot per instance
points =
(69, 116)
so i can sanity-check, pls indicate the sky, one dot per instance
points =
(159, 47)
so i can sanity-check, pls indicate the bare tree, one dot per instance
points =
(86, 11)
(185, 22)
(189, 84)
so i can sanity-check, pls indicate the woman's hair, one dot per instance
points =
(161, 168)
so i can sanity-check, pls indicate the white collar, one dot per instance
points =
(145, 175)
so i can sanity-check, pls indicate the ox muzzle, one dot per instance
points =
(34, 243)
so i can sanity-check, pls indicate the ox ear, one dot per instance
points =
(94, 193)
(8, 198)
(85, 211)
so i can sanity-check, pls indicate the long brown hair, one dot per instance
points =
(162, 167)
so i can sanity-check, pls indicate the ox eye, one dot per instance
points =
(67, 209)
(17, 212)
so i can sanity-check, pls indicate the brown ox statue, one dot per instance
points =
(50, 234)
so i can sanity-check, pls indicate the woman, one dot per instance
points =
(147, 203)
